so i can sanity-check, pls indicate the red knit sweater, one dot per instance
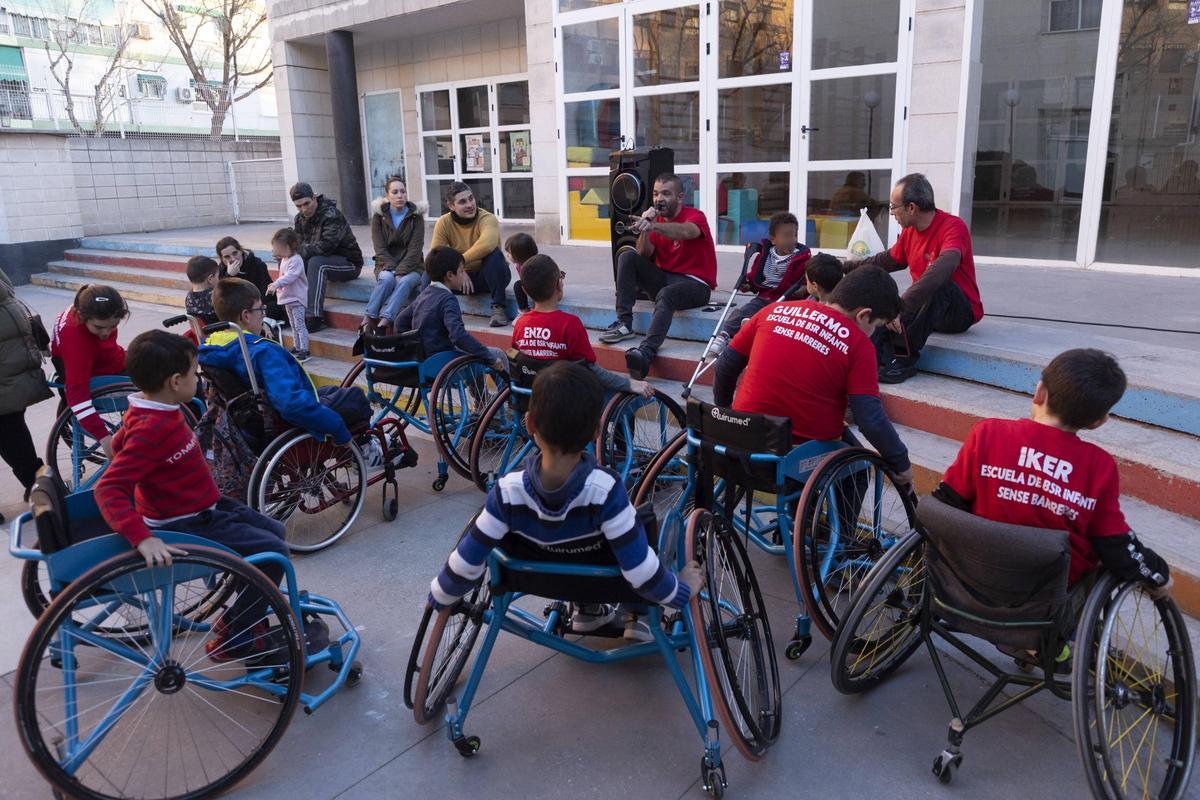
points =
(84, 355)
(157, 473)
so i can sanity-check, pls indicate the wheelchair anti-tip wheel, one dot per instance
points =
(850, 513)
(314, 487)
(460, 393)
(633, 430)
(883, 625)
(1133, 694)
(441, 650)
(500, 441)
(87, 705)
(734, 636)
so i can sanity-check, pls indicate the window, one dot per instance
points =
(32, 27)
(1074, 15)
(14, 98)
(151, 87)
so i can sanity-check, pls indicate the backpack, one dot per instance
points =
(225, 447)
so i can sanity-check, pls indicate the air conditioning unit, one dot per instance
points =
(185, 94)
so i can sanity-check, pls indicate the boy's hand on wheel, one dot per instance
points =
(157, 552)
(1161, 592)
(693, 576)
(641, 387)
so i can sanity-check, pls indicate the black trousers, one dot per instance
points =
(16, 447)
(671, 292)
(948, 311)
(321, 270)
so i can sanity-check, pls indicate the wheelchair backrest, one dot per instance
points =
(62, 519)
(256, 420)
(522, 370)
(740, 434)
(1005, 583)
(400, 348)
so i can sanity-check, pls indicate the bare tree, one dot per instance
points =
(244, 68)
(69, 31)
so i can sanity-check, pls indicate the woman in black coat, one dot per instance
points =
(238, 262)
(22, 383)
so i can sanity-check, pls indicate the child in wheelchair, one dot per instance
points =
(435, 312)
(1037, 472)
(158, 478)
(547, 333)
(562, 501)
(808, 361)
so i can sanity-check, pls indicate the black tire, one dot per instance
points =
(82, 468)
(314, 487)
(383, 392)
(664, 485)
(187, 691)
(444, 645)
(730, 616)
(883, 626)
(843, 488)
(633, 430)
(500, 441)
(1133, 694)
(460, 393)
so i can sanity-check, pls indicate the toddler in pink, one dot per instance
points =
(290, 287)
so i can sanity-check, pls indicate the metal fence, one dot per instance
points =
(259, 193)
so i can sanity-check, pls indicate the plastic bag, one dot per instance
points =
(865, 240)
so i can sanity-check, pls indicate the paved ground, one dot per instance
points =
(554, 728)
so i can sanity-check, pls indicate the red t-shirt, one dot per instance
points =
(918, 249)
(696, 257)
(84, 356)
(806, 359)
(1026, 473)
(552, 336)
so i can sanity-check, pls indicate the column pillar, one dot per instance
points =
(347, 133)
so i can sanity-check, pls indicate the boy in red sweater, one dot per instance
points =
(1038, 472)
(158, 478)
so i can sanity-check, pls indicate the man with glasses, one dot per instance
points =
(944, 297)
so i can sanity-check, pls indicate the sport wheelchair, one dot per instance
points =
(314, 487)
(1132, 685)
(724, 626)
(118, 660)
(831, 508)
(632, 428)
(444, 394)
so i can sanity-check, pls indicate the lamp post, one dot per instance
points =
(871, 100)
(1012, 99)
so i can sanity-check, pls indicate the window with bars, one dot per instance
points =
(1074, 15)
(151, 87)
(32, 27)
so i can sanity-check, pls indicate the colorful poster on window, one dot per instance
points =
(522, 160)
(475, 154)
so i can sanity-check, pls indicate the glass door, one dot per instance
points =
(383, 130)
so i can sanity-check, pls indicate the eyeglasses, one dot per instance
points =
(894, 206)
(258, 310)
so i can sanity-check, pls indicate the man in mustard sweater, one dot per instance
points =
(475, 233)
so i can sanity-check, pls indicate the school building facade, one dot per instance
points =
(1064, 131)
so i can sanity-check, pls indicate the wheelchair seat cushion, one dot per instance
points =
(1004, 583)
(398, 347)
(741, 434)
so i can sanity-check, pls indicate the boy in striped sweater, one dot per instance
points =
(158, 478)
(561, 498)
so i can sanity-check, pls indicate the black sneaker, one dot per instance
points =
(896, 372)
(315, 324)
(638, 361)
(300, 355)
(617, 332)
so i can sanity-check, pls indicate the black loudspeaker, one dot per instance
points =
(631, 175)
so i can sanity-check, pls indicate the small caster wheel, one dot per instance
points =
(945, 765)
(391, 509)
(468, 746)
(439, 484)
(354, 675)
(796, 647)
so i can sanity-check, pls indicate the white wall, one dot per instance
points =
(39, 201)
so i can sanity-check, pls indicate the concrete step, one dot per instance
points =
(1170, 535)
(110, 273)
(160, 261)
(158, 295)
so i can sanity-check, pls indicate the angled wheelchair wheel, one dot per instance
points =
(882, 627)
(460, 394)
(74, 453)
(633, 430)
(734, 636)
(388, 401)
(441, 651)
(664, 485)
(850, 513)
(87, 706)
(1133, 694)
(500, 442)
(314, 487)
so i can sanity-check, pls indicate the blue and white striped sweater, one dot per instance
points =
(590, 505)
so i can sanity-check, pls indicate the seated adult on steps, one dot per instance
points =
(475, 233)
(327, 245)
(397, 232)
(675, 263)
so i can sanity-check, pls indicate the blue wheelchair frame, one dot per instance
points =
(513, 428)
(71, 563)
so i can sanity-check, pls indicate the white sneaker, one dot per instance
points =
(587, 617)
(637, 629)
(373, 455)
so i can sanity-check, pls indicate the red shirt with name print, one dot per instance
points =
(806, 359)
(695, 257)
(918, 249)
(552, 336)
(157, 474)
(1025, 473)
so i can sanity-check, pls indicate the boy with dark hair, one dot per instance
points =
(808, 361)
(288, 388)
(158, 479)
(783, 263)
(202, 273)
(1038, 472)
(822, 275)
(436, 314)
(562, 497)
(520, 247)
(549, 334)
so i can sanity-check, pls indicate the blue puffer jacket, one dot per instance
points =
(289, 389)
